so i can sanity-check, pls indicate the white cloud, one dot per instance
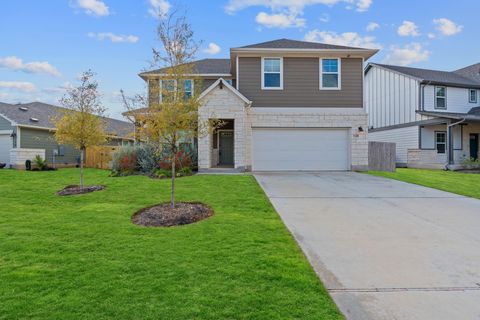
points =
(411, 53)
(59, 89)
(351, 39)
(408, 28)
(279, 20)
(15, 63)
(363, 5)
(113, 37)
(431, 36)
(324, 18)
(159, 8)
(213, 48)
(94, 7)
(372, 26)
(295, 6)
(287, 13)
(18, 85)
(447, 27)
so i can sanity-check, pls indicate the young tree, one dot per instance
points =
(81, 124)
(172, 117)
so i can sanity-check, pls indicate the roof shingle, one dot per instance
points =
(295, 44)
(204, 66)
(434, 76)
(44, 112)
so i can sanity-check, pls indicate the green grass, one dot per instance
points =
(467, 184)
(80, 257)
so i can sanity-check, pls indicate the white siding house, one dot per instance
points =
(432, 116)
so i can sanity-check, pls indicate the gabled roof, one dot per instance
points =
(38, 114)
(432, 76)
(471, 72)
(226, 85)
(295, 44)
(203, 67)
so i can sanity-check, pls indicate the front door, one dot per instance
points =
(474, 146)
(226, 148)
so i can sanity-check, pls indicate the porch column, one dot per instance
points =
(450, 144)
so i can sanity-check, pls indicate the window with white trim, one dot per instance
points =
(440, 98)
(168, 86)
(330, 77)
(472, 95)
(441, 141)
(272, 73)
(187, 89)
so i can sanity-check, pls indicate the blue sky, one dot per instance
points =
(46, 44)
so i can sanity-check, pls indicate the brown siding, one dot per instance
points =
(154, 89)
(301, 81)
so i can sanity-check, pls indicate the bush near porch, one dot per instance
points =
(467, 184)
(80, 257)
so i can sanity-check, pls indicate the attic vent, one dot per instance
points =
(34, 119)
(23, 108)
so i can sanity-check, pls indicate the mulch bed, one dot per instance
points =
(74, 189)
(163, 215)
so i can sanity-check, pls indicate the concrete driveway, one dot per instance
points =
(384, 249)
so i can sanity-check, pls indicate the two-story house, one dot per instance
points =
(432, 116)
(286, 105)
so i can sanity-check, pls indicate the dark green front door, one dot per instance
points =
(226, 148)
(474, 146)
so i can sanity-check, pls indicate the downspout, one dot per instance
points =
(450, 156)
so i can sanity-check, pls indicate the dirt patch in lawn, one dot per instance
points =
(163, 215)
(74, 189)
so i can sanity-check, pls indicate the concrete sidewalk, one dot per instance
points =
(384, 249)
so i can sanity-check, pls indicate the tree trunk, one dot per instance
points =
(82, 155)
(172, 196)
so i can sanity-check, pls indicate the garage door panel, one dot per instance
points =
(277, 149)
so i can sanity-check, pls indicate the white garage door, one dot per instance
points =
(315, 149)
(5, 146)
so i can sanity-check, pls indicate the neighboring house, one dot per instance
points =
(433, 116)
(286, 105)
(26, 130)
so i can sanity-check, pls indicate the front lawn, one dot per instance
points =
(80, 257)
(467, 184)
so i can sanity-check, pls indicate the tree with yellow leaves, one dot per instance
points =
(173, 117)
(81, 123)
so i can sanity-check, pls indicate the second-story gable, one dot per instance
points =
(292, 74)
(281, 73)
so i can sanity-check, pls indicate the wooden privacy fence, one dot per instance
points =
(100, 157)
(381, 156)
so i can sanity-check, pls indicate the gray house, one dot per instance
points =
(26, 130)
(433, 116)
(286, 105)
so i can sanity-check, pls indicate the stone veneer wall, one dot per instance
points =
(224, 104)
(18, 156)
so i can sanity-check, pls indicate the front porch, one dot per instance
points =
(446, 145)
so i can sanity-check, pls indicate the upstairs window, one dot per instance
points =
(330, 74)
(472, 95)
(441, 141)
(188, 89)
(169, 86)
(272, 73)
(166, 87)
(440, 98)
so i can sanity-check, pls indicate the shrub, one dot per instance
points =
(124, 161)
(182, 160)
(471, 163)
(40, 163)
(148, 158)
